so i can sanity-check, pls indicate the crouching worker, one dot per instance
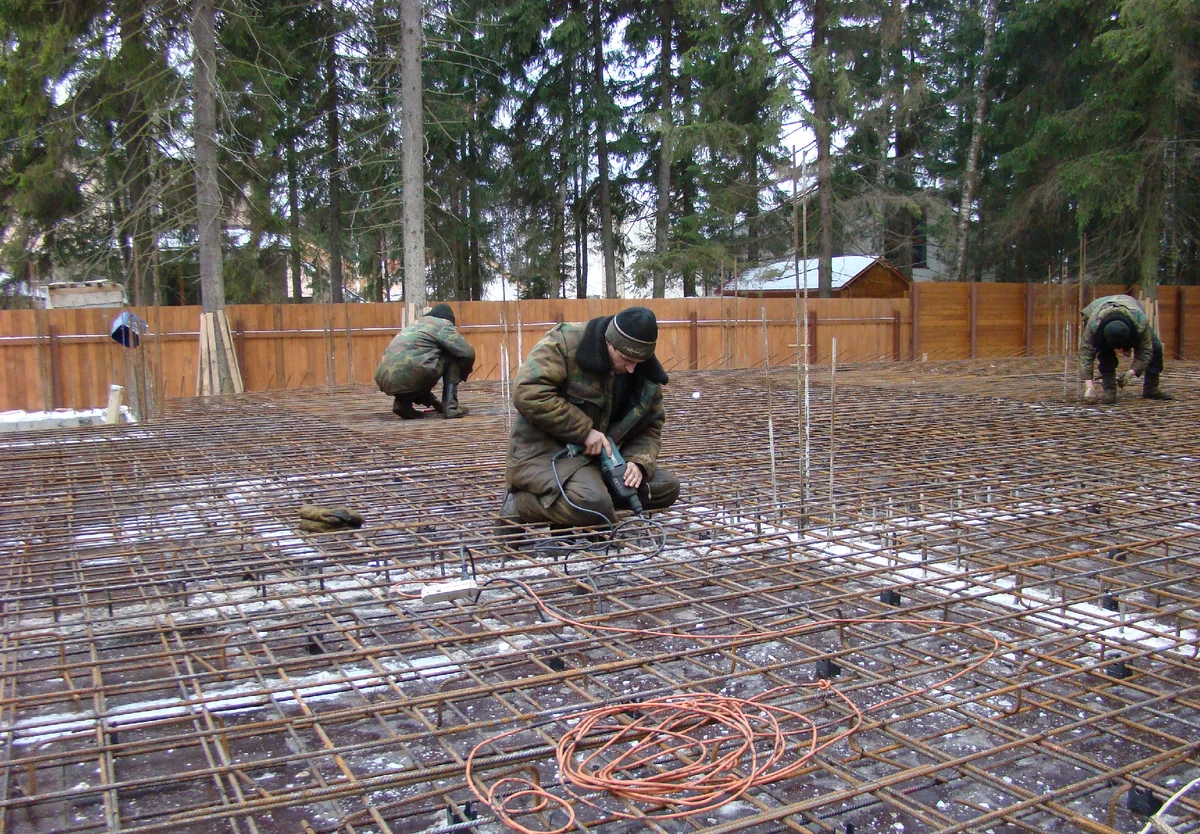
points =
(1112, 323)
(427, 350)
(587, 384)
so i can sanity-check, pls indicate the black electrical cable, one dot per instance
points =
(660, 536)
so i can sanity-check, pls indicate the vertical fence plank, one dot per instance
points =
(973, 318)
(1029, 319)
(693, 343)
(1180, 307)
(916, 320)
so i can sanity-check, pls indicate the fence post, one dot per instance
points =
(916, 320)
(56, 392)
(973, 317)
(812, 337)
(895, 335)
(279, 380)
(1029, 319)
(41, 323)
(694, 344)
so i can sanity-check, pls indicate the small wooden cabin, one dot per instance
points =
(854, 276)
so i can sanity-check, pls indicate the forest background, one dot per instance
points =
(675, 138)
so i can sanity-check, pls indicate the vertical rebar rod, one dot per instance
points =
(770, 413)
(832, 424)
(1066, 363)
(805, 470)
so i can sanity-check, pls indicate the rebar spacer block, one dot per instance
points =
(827, 669)
(890, 597)
(468, 813)
(1143, 801)
(1119, 670)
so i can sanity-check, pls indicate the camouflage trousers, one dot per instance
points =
(586, 489)
(397, 379)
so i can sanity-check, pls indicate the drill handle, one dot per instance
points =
(576, 449)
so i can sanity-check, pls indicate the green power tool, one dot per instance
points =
(612, 469)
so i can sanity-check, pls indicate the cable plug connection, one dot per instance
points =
(444, 591)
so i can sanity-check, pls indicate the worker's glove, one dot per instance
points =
(314, 519)
(1089, 392)
(1123, 378)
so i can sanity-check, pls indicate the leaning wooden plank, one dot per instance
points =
(235, 373)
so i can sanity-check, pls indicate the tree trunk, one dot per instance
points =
(580, 210)
(558, 241)
(335, 176)
(752, 210)
(412, 159)
(971, 174)
(686, 182)
(822, 107)
(293, 186)
(135, 131)
(891, 40)
(662, 210)
(1150, 244)
(688, 192)
(208, 194)
(601, 102)
(475, 270)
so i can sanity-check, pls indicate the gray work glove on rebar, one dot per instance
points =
(314, 519)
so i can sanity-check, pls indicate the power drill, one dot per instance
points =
(612, 469)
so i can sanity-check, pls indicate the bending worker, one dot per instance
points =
(427, 350)
(588, 384)
(1112, 323)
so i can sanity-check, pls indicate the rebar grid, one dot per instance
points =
(177, 656)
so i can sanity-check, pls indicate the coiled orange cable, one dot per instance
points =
(722, 746)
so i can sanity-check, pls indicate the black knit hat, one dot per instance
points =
(634, 332)
(442, 311)
(1118, 332)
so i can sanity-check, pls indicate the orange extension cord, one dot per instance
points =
(725, 746)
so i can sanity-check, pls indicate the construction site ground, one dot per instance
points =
(972, 606)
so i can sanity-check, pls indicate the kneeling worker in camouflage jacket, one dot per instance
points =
(1112, 323)
(584, 384)
(427, 350)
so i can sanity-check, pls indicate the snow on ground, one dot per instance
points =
(239, 698)
(60, 418)
(861, 546)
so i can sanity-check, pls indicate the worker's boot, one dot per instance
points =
(432, 401)
(508, 521)
(450, 406)
(402, 407)
(1109, 381)
(1151, 391)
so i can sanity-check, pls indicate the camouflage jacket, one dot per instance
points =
(1095, 313)
(563, 390)
(417, 357)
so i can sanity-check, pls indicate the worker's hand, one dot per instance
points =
(633, 475)
(1089, 392)
(596, 440)
(1123, 378)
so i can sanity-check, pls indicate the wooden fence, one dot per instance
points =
(66, 358)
